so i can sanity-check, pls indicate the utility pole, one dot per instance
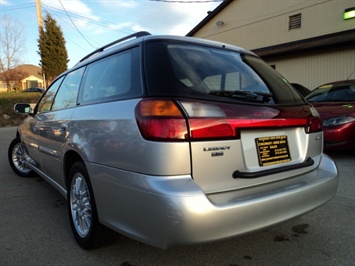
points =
(40, 27)
(39, 14)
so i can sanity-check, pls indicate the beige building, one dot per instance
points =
(308, 42)
(32, 78)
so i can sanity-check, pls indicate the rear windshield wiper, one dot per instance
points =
(244, 95)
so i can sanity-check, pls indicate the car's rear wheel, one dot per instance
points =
(18, 159)
(88, 231)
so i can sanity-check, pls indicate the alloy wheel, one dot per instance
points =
(19, 158)
(80, 204)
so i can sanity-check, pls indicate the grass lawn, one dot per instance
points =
(7, 101)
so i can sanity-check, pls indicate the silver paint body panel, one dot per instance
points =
(157, 193)
(168, 193)
(171, 210)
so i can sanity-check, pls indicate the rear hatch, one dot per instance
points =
(250, 145)
(235, 145)
(245, 123)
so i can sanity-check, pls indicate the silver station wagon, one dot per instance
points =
(174, 140)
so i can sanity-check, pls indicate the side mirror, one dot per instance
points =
(22, 108)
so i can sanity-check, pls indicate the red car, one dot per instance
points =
(335, 103)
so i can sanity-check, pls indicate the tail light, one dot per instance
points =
(161, 120)
(314, 122)
(165, 120)
(314, 125)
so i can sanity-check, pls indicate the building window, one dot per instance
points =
(295, 22)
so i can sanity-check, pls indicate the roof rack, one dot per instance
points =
(134, 35)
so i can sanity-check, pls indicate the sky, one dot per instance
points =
(90, 24)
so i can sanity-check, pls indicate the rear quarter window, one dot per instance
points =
(112, 78)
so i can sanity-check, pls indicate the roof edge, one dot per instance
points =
(324, 41)
(209, 17)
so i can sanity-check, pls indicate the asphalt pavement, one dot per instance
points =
(35, 230)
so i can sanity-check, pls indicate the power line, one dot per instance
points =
(75, 25)
(17, 7)
(67, 37)
(59, 12)
(81, 18)
(101, 23)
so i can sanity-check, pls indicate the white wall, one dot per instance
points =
(314, 69)
(254, 24)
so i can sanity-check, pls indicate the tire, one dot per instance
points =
(87, 230)
(18, 157)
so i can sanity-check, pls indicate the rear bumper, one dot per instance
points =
(165, 211)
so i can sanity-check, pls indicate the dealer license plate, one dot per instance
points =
(273, 150)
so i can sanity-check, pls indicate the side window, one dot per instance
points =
(68, 92)
(114, 77)
(46, 102)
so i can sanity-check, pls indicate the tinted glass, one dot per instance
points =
(114, 77)
(68, 92)
(46, 102)
(199, 71)
(333, 93)
(282, 90)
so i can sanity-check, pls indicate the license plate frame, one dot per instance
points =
(273, 150)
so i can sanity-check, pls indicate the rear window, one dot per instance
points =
(187, 70)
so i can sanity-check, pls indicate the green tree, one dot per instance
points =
(51, 49)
